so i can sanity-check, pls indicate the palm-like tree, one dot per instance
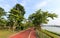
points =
(41, 17)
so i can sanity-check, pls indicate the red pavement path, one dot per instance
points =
(33, 34)
(30, 33)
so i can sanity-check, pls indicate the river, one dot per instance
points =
(53, 29)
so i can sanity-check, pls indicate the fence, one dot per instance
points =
(46, 34)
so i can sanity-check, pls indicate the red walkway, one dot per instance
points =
(30, 33)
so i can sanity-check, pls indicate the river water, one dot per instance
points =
(53, 29)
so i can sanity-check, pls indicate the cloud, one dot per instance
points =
(56, 21)
(1, 0)
(13, 1)
(25, 2)
(6, 7)
(41, 4)
(7, 4)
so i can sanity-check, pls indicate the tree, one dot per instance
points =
(41, 17)
(28, 24)
(2, 12)
(16, 15)
(3, 23)
(2, 19)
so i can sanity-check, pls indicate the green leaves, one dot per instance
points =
(40, 17)
(2, 19)
(17, 14)
(2, 12)
(52, 15)
(19, 8)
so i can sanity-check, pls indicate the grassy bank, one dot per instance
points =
(53, 35)
(53, 32)
(5, 33)
(42, 35)
(47, 34)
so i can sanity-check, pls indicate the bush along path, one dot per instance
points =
(29, 33)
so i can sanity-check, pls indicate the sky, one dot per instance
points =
(31, 6)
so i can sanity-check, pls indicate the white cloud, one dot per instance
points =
(7, 4)
(57, 11)
(24, 2)
(57, 20)
(41, 4)
(54, 22)
(14, 1)
(6, 7)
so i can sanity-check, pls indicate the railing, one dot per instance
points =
(46, 34)
(58, 26)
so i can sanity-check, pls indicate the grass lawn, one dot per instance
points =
(42, 35)
(46, 34)
(51, 34)
(5, 33)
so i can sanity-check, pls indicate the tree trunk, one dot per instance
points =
(14, 26)
(38, 27)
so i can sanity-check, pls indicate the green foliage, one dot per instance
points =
(19, 9)
(2, 19)
(2, 12)
(17, 12)
(53, 32)
(28, 24)
(42, 35)
(16, 15)
(50, 34)
(5, 33)
(3, 22)
(41, 17)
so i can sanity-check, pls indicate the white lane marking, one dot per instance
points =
(29, 34)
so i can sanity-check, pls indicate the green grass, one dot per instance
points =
(5, 33)
(53, 32)
(50, 34)
(46, 34)
(42, 35)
